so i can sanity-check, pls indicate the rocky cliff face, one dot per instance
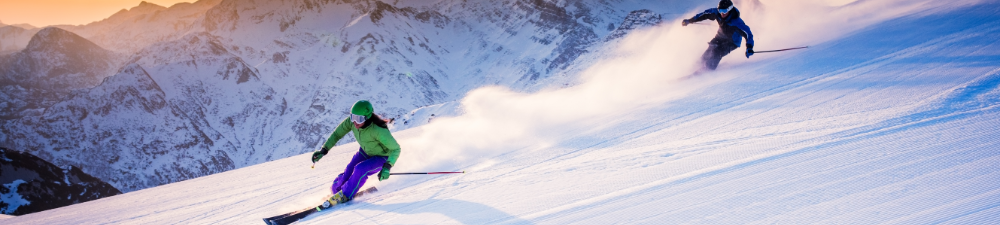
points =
(31, 184)
(635, 20)
(144, 127)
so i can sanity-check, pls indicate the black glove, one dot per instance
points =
(319, 154)
(685, 22)
(384, 174)
(749, 50)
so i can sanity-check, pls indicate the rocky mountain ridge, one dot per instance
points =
(54, 64)
(127, 31)
(30, 184)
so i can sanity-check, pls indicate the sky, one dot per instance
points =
(42, 13)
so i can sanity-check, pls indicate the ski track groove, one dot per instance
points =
(834, 189)
(208, 213)
(995, 197)
(831, 142)
(247, 212)
(804, 161)
(388, 196)
(979, 217)
(910, 187)
(933, 203)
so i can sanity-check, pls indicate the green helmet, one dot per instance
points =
(363, 108)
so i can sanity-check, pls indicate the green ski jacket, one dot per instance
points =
(374, 140)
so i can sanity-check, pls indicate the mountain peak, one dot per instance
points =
(20, 25)
(143, 8)
(53, 38)
(146, 6)
(23, 26)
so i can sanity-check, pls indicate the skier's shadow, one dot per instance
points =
(464, 212)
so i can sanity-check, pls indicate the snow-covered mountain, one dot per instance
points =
(254, 81)
(127, 31)
(31, 184)
(54, 64)
(131, 30)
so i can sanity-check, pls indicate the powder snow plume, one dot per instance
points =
(645, 70)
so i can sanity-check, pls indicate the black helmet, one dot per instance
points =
(725, 4)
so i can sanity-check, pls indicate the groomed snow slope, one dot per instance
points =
(894, 123)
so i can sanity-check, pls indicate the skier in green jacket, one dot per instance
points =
(378, 152)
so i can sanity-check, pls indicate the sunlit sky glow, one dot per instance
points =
(42, 13)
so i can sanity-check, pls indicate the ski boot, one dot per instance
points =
(333, 200)
(338, 198)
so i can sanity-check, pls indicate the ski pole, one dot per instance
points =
(781, 50)
(424, 173)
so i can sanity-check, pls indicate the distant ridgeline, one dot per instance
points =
(29, 184)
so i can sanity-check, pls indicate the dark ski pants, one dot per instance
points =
(357, 172)
(716, 50)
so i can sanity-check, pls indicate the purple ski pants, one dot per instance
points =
(357, 172)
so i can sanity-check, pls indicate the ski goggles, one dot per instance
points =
(726, 10)
(358, 119)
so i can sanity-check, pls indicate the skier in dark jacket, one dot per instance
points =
(378, 152)
(731, 31)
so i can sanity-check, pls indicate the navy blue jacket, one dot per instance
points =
(731, 28)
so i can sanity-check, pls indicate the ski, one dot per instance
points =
(291, 217)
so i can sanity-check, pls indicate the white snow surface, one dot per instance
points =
(890, 117)
(12, 200)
